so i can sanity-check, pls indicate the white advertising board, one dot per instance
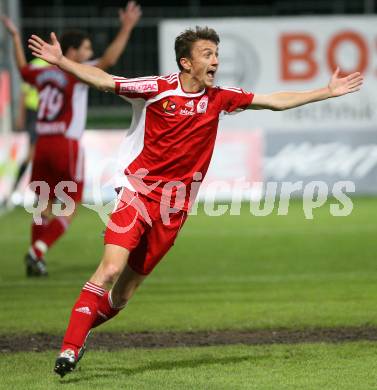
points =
(296, 53)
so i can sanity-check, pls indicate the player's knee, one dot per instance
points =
(111, 272)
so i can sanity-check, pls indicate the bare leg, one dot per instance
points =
(52, 228)
(47, 212)
(37, 230)
(125, 287)
(113, 262)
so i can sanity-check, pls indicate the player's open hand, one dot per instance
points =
(130, 15)
(51, 53)
(9, 25)
(339, 86)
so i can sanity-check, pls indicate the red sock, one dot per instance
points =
(38, 230)
(83, 315)
(105, 310)
(52, 232)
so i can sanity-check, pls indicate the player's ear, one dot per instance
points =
(185, 63)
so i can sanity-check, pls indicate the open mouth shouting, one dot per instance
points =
(211, 74)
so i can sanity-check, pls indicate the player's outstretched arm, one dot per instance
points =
(128, 17)
(52, 53)
(338, 86)
(19, 53)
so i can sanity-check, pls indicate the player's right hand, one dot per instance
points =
(51, 53)
(9, 25)
(130, 16)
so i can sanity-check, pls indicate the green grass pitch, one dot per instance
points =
(276, 367)
(228, 272)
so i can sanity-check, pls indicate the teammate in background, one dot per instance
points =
(170, 144)
(58, 161)
(26, 120)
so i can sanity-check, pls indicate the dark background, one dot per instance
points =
(201, 8)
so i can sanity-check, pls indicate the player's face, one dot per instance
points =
(85, 51)
(204, 62)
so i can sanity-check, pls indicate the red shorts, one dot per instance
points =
(58, 159)
(144, 227)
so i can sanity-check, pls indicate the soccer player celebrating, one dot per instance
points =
(168, 150)
(60, 123)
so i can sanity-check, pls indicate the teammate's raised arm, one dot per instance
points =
(337, 86)
(19, 53)
(128, 17)
(53, 54)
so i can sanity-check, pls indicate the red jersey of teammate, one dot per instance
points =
(172, 135)
(60, 124)
(62, 101)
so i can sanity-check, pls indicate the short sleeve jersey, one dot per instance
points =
(63, 101)
(169, 145)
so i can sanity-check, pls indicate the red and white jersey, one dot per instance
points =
(170, 142)
(63, 101)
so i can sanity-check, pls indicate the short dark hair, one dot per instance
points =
(185, 40)
(72, 39)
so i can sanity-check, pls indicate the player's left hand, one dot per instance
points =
(339, 86)
(51, 53)
(130, 15)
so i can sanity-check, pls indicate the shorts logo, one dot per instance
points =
(169, 107)
(201, 108)
(139, 87)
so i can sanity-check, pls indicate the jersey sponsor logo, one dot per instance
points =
(201, 108)
(169, 107)
(139, 86)
(50, 127)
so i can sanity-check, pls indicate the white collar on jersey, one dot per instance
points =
(187, 93)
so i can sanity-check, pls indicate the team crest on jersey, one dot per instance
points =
(169, 106)
(201, 108)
